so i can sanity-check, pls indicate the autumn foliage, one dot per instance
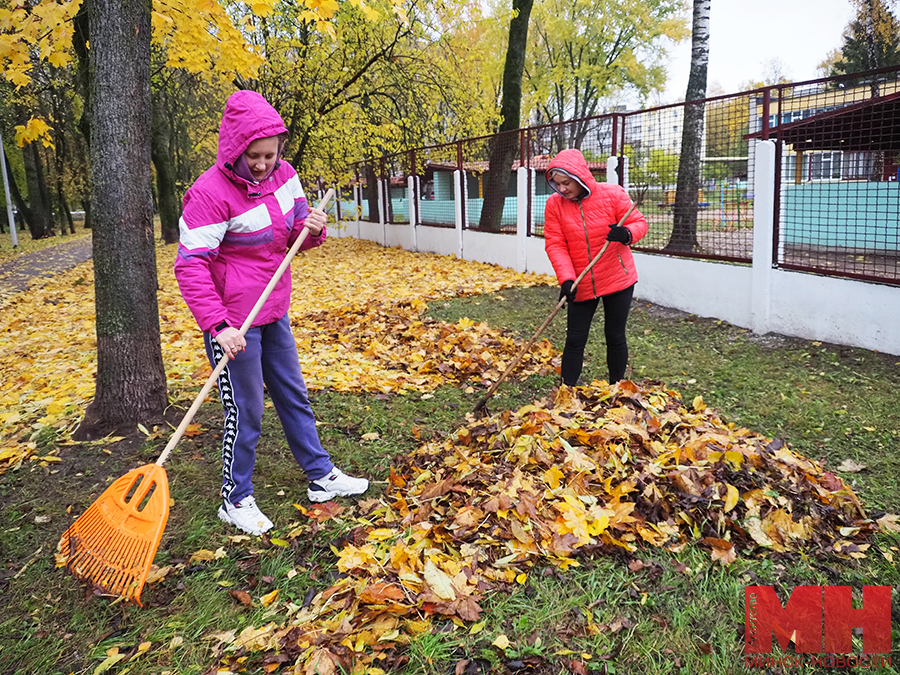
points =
(598, 469)
(358, 313)
(595, 469)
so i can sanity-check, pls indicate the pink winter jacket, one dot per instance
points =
(575, 231)
(234, 233)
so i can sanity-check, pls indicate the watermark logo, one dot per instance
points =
(820, 619)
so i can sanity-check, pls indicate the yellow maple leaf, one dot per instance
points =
(732, 496)
(501, 641)
(553, 476)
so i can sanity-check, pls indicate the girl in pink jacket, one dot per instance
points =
(578, 221)
(240, 217)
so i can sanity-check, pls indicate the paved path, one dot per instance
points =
(16, 275)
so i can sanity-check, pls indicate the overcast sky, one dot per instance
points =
(745, 36)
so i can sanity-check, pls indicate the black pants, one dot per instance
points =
(578, 326)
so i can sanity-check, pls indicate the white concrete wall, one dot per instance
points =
(346, 228)
(843, 311)
(371, 231)
(487, 247)
(440, 240)
(757, 296)
(400, 235)
(703, 288)
(536, 259)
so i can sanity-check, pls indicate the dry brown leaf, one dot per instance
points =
(889, 522)
(438, 581)
(851, 466)
(320, 663)
(242, 597)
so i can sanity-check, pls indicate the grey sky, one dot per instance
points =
(746, 36)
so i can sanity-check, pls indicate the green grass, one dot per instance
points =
(679, 613)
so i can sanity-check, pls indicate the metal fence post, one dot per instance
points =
(612, 169)
(382, 211)
(413, 217)
(9, 206)
(764, 187)
(458, 210)
(522, 225)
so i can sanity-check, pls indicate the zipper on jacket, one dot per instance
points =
(587, 240)
(622, 263)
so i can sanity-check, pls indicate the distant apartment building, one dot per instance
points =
(818, 129)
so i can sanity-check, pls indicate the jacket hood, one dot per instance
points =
(572, 163)
(247, 116)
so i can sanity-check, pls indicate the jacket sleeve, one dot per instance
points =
(636, 223)
(301, 210)
(555, 243)
(201, 230)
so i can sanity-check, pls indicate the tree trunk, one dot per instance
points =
(504, 147)
(872, 59)
(41, 222)
(371, 191)
(21, 205)
(131, 384)
(684, 230)
(80, 37)
(65, 215)
(86, 207)
(160, 151)
(503, 150)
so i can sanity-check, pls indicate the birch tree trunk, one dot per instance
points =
(131, 383)
(684, 230)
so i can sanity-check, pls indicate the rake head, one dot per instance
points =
(114, 542)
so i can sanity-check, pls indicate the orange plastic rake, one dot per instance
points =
(114, 542)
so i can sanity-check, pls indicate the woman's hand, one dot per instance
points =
(619, 234)
(231, 340)
(315, 221)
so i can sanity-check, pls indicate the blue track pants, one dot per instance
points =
(270, 363)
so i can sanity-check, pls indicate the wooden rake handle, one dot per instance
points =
(559, 306)
(220, 366)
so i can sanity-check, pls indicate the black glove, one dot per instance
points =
(566, 291)
(619, 234)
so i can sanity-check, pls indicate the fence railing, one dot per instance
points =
(837, 197)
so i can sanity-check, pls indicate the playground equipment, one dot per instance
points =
(733, 206)
(669, 199)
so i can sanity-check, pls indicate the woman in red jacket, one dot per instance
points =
(578, 220)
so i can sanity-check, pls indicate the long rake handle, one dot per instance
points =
(220, 366)
(559, 306)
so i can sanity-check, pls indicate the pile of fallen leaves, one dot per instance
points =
(358, 313)
(601, 468)
(395, 348)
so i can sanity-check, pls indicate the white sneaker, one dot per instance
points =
(245, 515)
(335, 484)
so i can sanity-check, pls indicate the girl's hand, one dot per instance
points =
(231, 341)
(315, 221)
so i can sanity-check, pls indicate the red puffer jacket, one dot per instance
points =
(575, 231)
